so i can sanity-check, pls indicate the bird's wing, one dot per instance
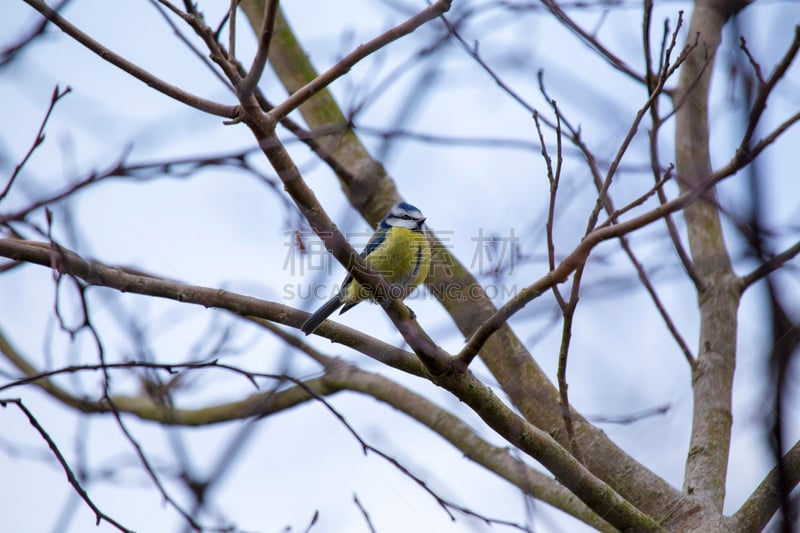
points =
(376, 240)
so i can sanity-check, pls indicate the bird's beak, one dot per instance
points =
(421, 222)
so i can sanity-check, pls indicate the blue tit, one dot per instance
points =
(398, 250)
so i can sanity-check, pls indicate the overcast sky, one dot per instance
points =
(227, 228)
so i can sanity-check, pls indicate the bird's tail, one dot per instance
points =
(319, 316)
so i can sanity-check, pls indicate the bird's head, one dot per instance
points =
(404, 215)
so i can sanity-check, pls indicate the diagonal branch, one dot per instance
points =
(54, 98)
(8, 54)
(249, 82)
(570, 263)
(342, 67)
(129, 280)
(73, 480)
(370, 191)
(591, 41)
(538, 444)
(765, 87)
(762, 504)
(134, 70)
(774, 263)
(448, 426)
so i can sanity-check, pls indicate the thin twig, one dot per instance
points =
(134, 70)
(612, 169)
(129, 280)
(752, 60)
(54, 98)
(647, 14)
(313, 522)
(630, 418)
(765, 87)
(570, 263)
(249, 82)
(593, 236)
(745, 155)
(342, 67)
(10, 52)
(195, 51)
(774, 263)
(603, 200)
(563, 353)
(232, 29)
(592, 41)
(656, 123)
(473, 52)
(447, 505)
(86, 324)
(364, 513)
(71, 478)
(148, 170)
(554, 179)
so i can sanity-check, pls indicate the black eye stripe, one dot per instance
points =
(416, 218)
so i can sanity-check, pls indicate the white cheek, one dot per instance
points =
(408, 224)
(401, 223)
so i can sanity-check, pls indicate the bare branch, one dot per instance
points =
(195, 51)
(473, 52)
(259, 405)
(762, 504)
(568, 265)
(249, 82)
(765, 87)
(148, 170)
(630, 418)
(568, 312)
(752, 60)
(654, 95)
(602, 185)
(657, 121)
(231, 29)
(342, 67)
(364, 513)
(592, 41)
(8, 54)
(533, 441)
(447, 505)
(339, 376)
(647, 15)
(745, 155)
(134, 70)
(129, 280)
(554, 178)
(54, 98)
(71, 478)
(774, 263)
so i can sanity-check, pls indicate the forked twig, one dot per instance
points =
(54, 98)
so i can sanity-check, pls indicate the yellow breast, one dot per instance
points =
(403, 259)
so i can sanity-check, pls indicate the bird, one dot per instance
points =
(398, 250)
